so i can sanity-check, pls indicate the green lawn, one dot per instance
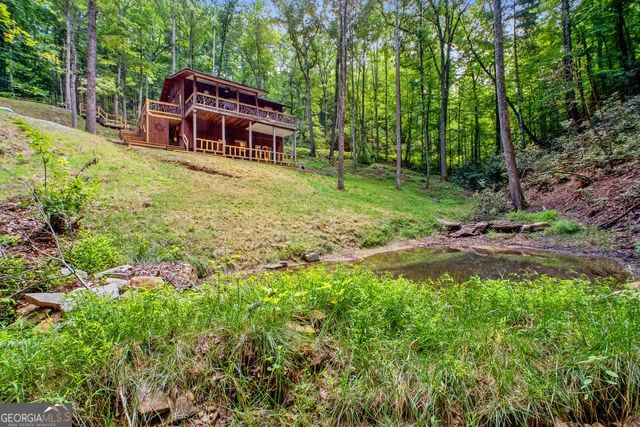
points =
(156, 208)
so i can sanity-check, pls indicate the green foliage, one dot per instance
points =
(491, 204)
(491, 173)
(93, 253)
(564, 227)
(346, 347)
(61, 195)
(542, 216)
(636, 247)
(398, 227)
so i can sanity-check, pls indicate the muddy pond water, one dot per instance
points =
(490, 263)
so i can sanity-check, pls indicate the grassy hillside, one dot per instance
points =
(159, 205)
(310, 347)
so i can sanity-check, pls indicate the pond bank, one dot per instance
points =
(513, 244)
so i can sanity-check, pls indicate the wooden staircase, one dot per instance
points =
(115, 121)
(132, 138)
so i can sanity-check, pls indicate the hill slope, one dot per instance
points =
(159, 205)
(593, 175)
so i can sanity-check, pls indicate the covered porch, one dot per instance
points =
(238, 138)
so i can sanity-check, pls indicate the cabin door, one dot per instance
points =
(174, 134)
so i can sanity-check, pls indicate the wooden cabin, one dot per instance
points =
(201, 113)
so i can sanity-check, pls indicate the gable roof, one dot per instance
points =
(189, 74)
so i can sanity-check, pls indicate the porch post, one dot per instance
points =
(250, 140)
(274, 144)
(195, 130)
(293, 148)
(224, 137)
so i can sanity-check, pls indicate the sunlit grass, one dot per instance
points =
(346, 347)
(156, 208)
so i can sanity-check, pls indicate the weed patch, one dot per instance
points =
(368, 349)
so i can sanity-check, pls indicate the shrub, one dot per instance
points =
(61, 196)
(93, 253)
(491, 203)
(565, 227)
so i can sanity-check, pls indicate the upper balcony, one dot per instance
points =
(235, 108)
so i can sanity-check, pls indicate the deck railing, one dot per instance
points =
(164, 108)
(239, 152)
(250, 111)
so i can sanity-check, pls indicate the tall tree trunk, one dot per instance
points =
(124, 87)
(92, 11)
(444, 107)
(570, 95)
(386, 106)
(375, 103)
(67, 59)
(115, 92)
(307, 82)
(398, 116)
(621, 39)
(335, 100)
(192, 25)
(354, 151)
(363, 132)
(73, 99)
(173, 37)
(523, 142)
(341, 89)
(517, 197)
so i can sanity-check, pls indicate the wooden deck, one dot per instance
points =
(218, 148)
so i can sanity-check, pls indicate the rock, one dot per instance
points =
(69, 272)
(311, 256)
(449, 225)
(26, 309)
(37, 316)
(120, 283)
(506, 228)
(278, 266)
(632, 285)
(53, 300)
(481, 227)
(109, 290)
(145, 282)
(303, 329)
(152, 403)
(464, 232)
(536, 226)
(120, 272)
(182, 408)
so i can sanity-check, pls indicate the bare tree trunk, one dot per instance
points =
(341, 88)
(67, 60)
(116, 101)
(124, 87)
(375, 102)
(398, 116)
(191, 37)
(335, 100)
(386, 106)
(73, 100)
(505, 130)
(173, 37)
(523, 142)
(307, 82)
(92, 11)
(570, 96)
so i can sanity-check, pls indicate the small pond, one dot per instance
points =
(431, 263)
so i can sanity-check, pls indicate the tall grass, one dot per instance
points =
(345, 347)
